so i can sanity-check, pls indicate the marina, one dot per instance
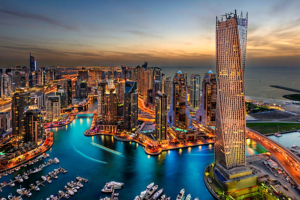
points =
(135, 169)
(70, 190)
(20, 178)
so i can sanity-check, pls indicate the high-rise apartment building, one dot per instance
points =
(168, 90)
(130, 109)
(161, 117)
(33, 125)
(231, 39)
(95, 75)
(5, 86)
(206, 114)
(38, 100)
(84, 74)
(110, 105)
(195, 90)
(53, 108)
(179, 115)
(81, 88)
(32, 63)
(20, 102)
(4, 122)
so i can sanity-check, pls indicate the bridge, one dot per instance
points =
(287, 159)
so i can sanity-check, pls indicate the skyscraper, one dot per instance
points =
(4, 122)
(84, 74)
(5, 86)
(110, 105)
(230, 173)
(195, 90)
(179, 115)
(32, 63)
(33, 125)
(130, 109)
(53, 107)
(161, 117)
(168, 90)
(206, 114)
(231, 39)
(101, 92)
(20, 102)
(69, 90)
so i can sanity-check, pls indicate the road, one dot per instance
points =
(289, 161)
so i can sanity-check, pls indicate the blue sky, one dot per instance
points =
(165, 33)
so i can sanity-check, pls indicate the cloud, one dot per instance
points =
(36, 17)
(144, 34)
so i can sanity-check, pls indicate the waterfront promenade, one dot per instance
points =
(23, 158)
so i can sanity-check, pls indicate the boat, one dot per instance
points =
(150, 186)
(151, 191)
(157, 194)
(107, 190)
(71, 192)
(116, 185)
(137, 198)
(188, 197)
(56, 161)
(44, 178)
(277, 134)
(163, 197)
(294, 146)
(168, 198)
(74, 190)
(180, 196)
(36, 170)
(143, 194)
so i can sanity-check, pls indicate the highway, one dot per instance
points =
(288, 161)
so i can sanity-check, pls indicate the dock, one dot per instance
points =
(38, 183)
(21, 176)
(62, 193)
(285, 88)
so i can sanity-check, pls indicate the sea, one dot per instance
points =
(257, 79)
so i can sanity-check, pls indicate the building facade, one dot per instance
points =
(195, 90)
(33, 125)
(179, 115)
(4, 122)
(130, 116)
(206, 114)
(161, 117)
(231, 39)
(53, 108)
(20, 102)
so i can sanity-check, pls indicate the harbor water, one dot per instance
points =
(101, 159)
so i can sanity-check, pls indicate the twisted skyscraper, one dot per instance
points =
(231, 39)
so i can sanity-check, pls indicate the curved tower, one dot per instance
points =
(231, 39)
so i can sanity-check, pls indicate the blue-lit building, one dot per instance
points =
(130, 116)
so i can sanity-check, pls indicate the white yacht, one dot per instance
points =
(180, 195)
(150, 186)
(157, 194)
(188, 197)
(56, 161)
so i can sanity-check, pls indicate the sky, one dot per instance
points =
(164, 33)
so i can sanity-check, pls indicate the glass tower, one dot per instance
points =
(231, 39)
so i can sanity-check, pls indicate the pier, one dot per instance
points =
(19, 177)
(38, 183)
(285, 88)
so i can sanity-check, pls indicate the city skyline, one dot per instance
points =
(163, 33)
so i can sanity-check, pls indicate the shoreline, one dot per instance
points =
(145, 149)
(3, 170)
